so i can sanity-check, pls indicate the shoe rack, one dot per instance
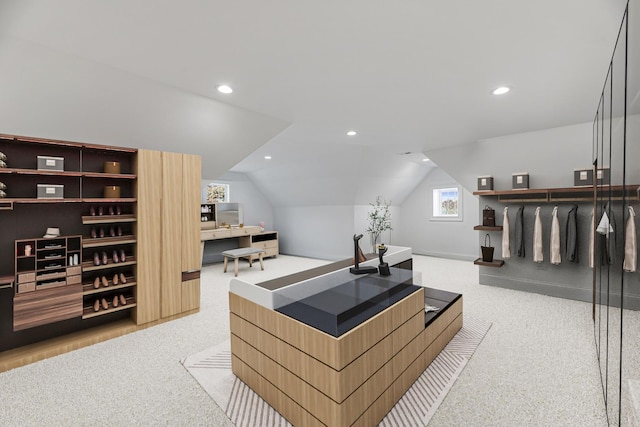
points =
(109, 263)
(48, 278)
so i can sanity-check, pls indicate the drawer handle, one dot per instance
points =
(6, 286)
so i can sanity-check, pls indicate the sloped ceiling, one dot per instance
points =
(410, 76)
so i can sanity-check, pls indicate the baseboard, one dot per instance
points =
(558, 290)
(459, 257)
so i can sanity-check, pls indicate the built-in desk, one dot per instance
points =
(353, 374)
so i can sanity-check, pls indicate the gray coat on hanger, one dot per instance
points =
(519, 232)
(571, 241)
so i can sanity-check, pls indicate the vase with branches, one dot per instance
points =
(379, 219)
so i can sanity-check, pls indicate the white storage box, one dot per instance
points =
(50, 191)
(48, 163)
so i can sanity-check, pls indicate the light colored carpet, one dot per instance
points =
(212, 369)
(536, 366)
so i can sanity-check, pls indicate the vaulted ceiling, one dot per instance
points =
(410, 76)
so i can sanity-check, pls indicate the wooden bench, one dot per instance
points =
(242, 253)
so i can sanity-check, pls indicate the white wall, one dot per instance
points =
(448, 239)
(324, 232)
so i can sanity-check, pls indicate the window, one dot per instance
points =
(447, 203)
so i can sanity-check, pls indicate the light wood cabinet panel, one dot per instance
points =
(191, 173)
(148, 225)
(191, 295)
(171, 265)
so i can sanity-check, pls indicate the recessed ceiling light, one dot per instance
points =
(426, 159)
(501, 90)
(352, 133)
(267, 157)
(224, 89)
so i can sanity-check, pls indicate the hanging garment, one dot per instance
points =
(538, 255)
(506, 244)
(609, 252)
(519, 232)
(630, 243)
(554, 241)
(592, 239)
(571, 240)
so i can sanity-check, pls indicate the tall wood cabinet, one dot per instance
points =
(128, 246)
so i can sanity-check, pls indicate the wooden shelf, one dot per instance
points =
(108, 175)
(88, 289)
(88, 266)
(567, 194)
(103, 200)
(88, 312)
(495, 263)
(39, 172)
(108, 241)
(487, 228)
(107, 219)
(65, 200)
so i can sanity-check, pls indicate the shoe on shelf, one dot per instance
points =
(94, 233)
(123, 300)
(92, 211)
(96, 305)
(115, 301)
(105, 282)
(119, 232)
(112, 232)
(101, 232)
(123, 279)
(104, 304)
(123, 257)
(96, 283)
(105, 260)
(118, 210)
(115, 279)
(100, 210)
(111, 211)
(115, 257)
(96, 258)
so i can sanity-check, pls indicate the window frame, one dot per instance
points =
(436, 197)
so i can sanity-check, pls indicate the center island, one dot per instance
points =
(325, 347)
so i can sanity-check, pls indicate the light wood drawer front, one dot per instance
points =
(215, 234)
(74, 280)
(46, 306)
(72, 271)
(245, 231)
(269, 244)
(26, 277)
(26, 287)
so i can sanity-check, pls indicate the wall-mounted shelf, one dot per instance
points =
(495, 263)
(569, 194)
(487, 228)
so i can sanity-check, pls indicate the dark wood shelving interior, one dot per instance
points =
(495, 263)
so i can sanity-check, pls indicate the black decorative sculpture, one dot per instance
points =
(356, 269)
(383, 268)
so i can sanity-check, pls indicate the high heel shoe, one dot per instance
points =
(123, 279)
(96, 258)
(112, 232)
(115, 279)
(105, 260)
(96, 283)
(105, 282)
(115, 257)
(92, 211)
(94, 234)
(111, 211)
(101, 232)
(96, 305)
(115, 301)
(119, 232)
(123, 300)
(118, 210)
(123, 257)
(104, 304)
(100, 210)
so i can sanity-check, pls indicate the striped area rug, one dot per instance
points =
(212, 369)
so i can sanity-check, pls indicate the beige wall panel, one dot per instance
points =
(149, 240)
(191, 295)
(191, 181)
(171, 265)
(338, 385)
(335, 352)
(288, 407)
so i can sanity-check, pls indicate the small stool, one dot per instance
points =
(242, 253)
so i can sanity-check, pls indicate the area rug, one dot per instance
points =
(212, 369)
